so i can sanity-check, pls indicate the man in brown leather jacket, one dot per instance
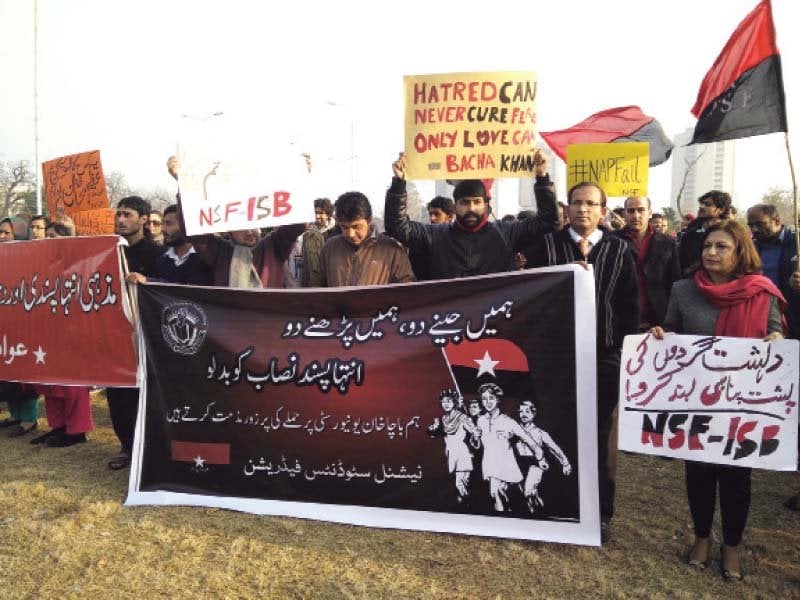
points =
(360, 255)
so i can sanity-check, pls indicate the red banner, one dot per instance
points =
(61, 313)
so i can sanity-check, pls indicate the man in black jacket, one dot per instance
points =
(713, 206)
(656, 257)
(141, 255)
(471, 244)
(617, 301)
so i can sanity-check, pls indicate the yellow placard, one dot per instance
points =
(470, 125)
(620, 169)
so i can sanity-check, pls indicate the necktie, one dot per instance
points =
(583, 246)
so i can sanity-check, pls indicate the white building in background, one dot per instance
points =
(712, 171)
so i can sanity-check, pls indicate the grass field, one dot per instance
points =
(64, 533)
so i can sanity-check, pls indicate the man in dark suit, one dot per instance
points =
(617, 302)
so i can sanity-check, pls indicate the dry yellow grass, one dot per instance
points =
(65, 534)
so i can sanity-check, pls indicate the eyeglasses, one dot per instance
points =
(155, 222)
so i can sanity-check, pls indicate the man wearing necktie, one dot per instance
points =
(617, 302)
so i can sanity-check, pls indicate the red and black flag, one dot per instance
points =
(742, 94)
(623, 124)
(496, 361)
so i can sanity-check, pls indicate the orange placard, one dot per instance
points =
(98, 221)
(75, 182)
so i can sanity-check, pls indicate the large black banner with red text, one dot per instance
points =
(446, 406)
(62, 315)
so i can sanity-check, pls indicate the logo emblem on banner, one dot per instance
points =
(184, 326)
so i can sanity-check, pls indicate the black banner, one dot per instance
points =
(457, 398)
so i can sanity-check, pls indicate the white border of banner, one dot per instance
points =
(586, 532)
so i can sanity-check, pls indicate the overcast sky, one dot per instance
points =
(117, 75)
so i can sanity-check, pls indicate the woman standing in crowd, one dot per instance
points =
(23, 402)
(726, 297)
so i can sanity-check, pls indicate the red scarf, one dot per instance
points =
(642, 248)
(484, 220)
(744, 304)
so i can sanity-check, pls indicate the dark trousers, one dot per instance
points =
(123, 405)
(734, 498)
(607, 397)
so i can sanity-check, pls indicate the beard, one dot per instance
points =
(469, 219)
(174, 241)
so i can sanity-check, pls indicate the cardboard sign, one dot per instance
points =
(234, 175)
(722, 400)
(620, 169)
(99, 221)
(75, 182)
(470, 125)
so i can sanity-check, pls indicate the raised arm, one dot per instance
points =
(398, 225)
(524, 233)
(207, 244)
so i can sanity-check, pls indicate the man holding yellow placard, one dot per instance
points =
(471, 244)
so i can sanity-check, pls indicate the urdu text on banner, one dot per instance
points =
(62, 317)
(452, 406)
(721, 400)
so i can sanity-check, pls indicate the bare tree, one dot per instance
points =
(16, 180)
(117, 187)
(689, 165)
(782, 200)
(158, 197)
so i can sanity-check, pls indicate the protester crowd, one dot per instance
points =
(712, 277)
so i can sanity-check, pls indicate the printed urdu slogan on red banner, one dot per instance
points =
(62, 315)
(452, 406)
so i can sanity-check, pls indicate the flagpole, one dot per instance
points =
(37, 166)
(794, 198)
(453, 377)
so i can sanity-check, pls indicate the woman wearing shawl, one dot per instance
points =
(726, 297)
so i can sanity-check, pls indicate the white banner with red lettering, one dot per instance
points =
(712, 399)
(238, 173)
